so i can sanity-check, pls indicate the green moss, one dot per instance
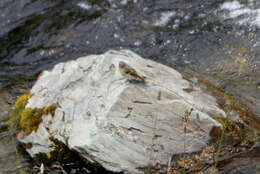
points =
(17, 110)
(230, 103)
(62, 154)
(50, 109)
(229, 127)
(31, 118)
(28, 119)
(26, 115)
(22, 101)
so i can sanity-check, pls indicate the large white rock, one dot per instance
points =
(120, 124)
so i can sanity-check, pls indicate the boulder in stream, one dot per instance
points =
(120, 111)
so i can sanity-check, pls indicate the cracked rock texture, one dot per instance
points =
(118, 123)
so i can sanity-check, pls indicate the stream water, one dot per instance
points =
(217, 40)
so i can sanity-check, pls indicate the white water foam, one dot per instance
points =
(243, 14)
(165, 18)
(84, 6)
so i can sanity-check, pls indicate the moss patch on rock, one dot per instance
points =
(230, 103)
(230, 127)
(27, 118)
(17, 110)
(235, 139)
(31, 118)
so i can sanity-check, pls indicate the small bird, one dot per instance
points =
(130, 73)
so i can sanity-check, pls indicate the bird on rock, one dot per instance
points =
(130, 73)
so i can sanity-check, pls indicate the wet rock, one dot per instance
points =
(243, 166)
(121, 121)
(5, 106)
(11, 158)
(243, 162)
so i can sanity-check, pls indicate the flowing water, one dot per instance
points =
(218, 40)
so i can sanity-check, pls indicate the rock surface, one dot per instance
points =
(119, 123)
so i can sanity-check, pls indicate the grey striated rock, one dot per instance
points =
(119, 120)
